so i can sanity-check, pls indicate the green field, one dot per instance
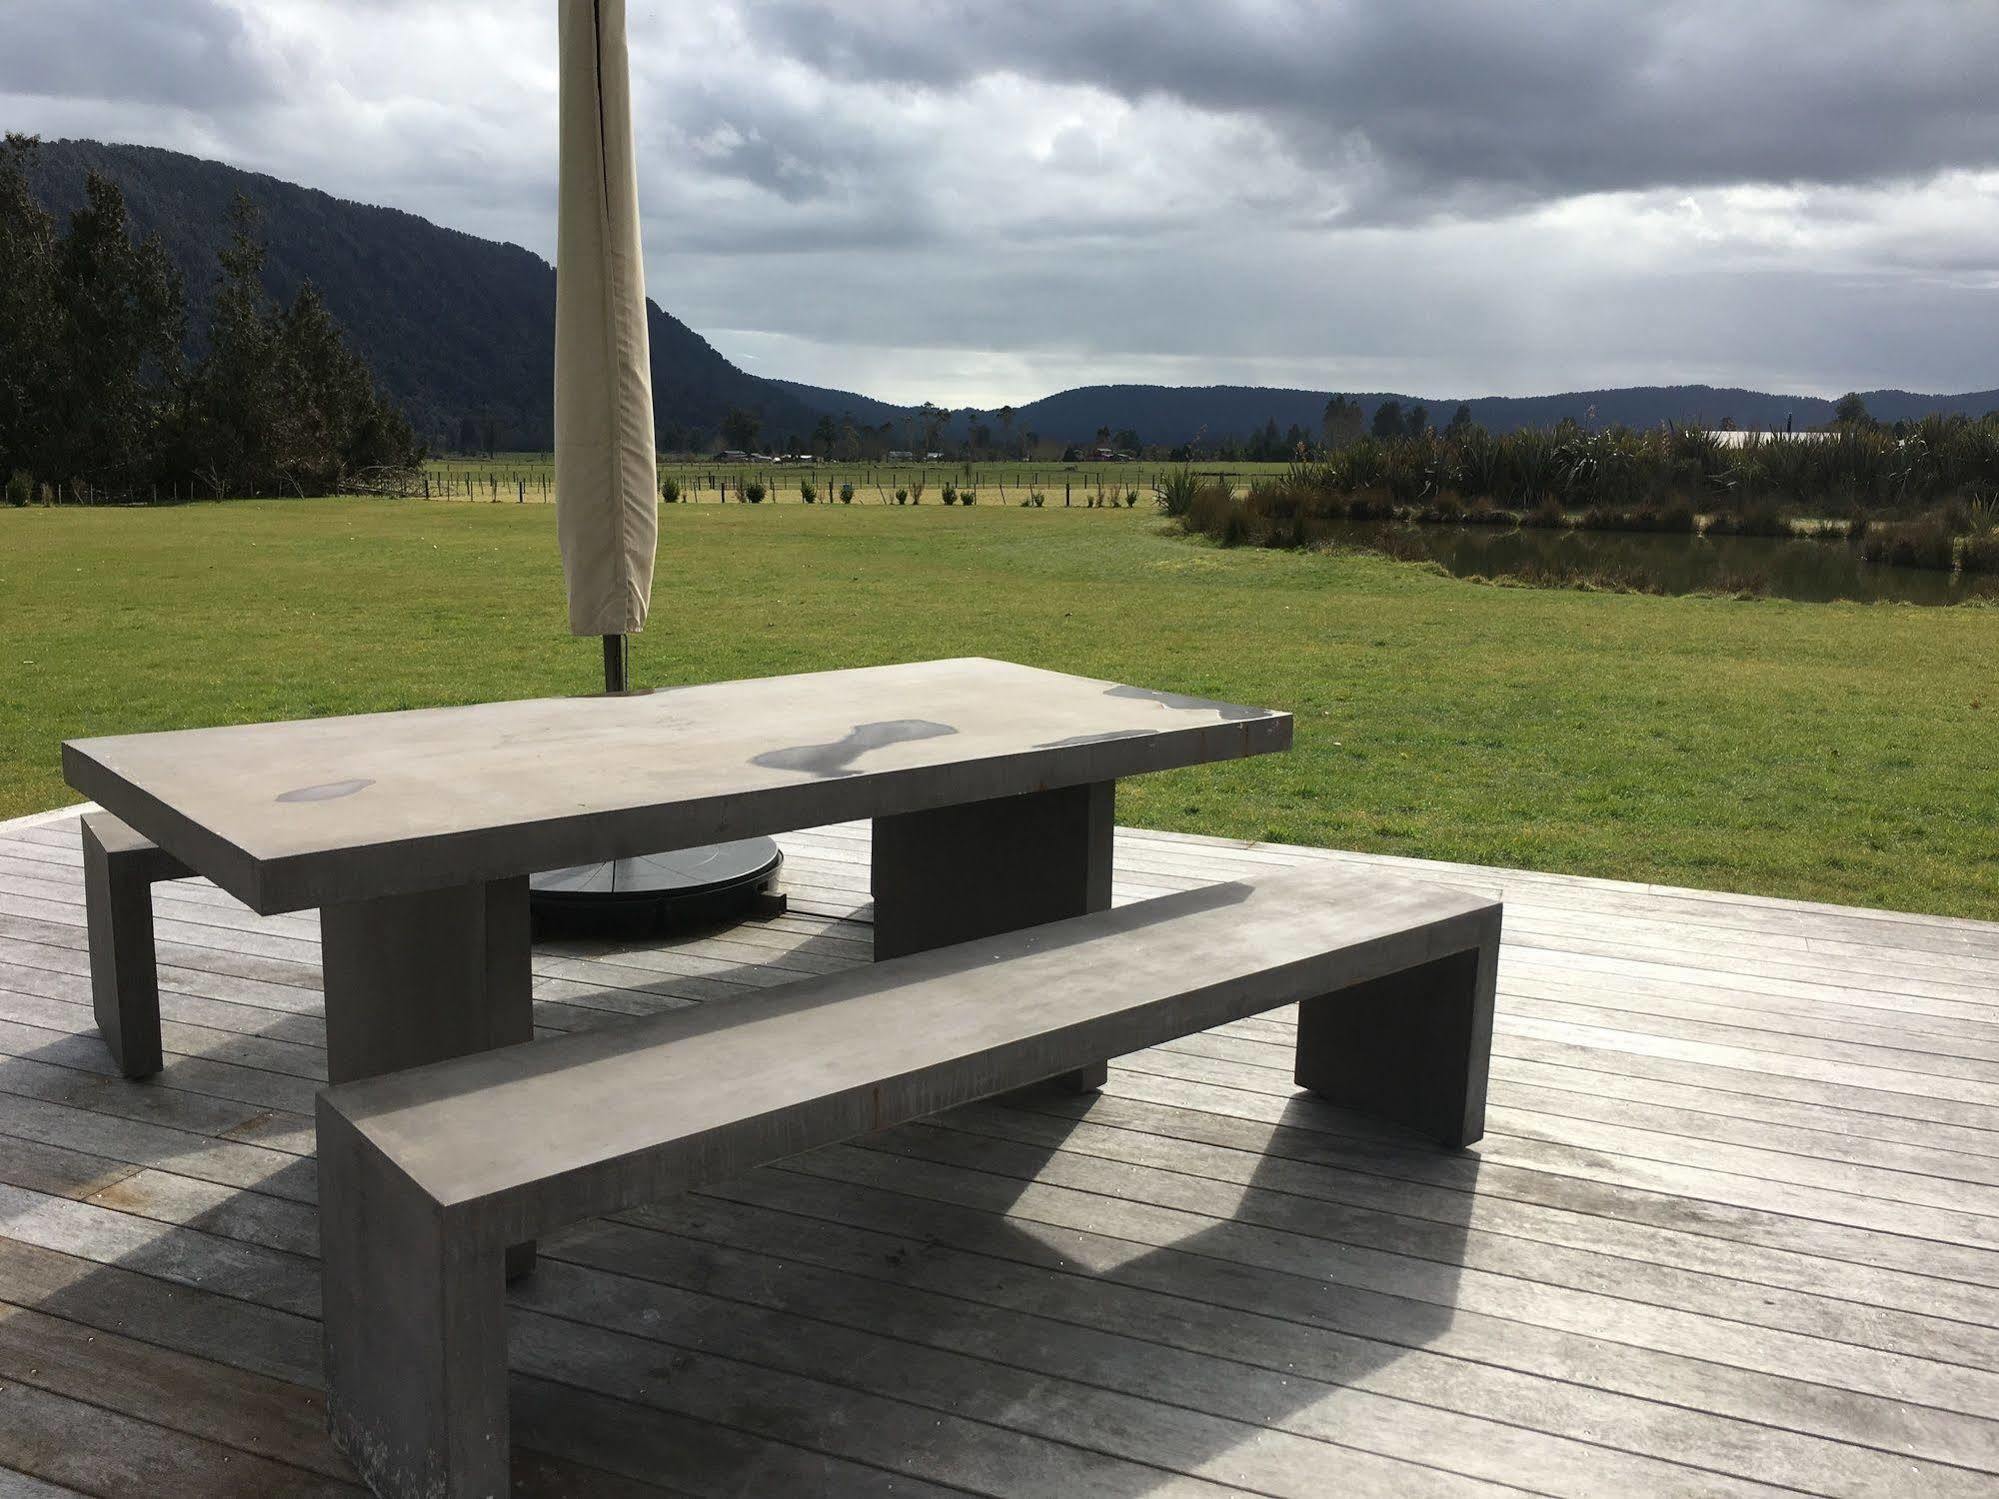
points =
(516, 477)
(1838, 752)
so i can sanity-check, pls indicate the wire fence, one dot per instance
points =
(497, 482)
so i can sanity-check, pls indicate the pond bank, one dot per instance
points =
(1803, 568)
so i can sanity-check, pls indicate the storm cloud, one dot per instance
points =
(976, 203)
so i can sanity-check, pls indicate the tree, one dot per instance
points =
(740, 428)
(93, 389)
(1006, 427)
(930, 420)
(280, 404)
(1417, 422)
(234, 434)
(1461, 421)
(1387, 423)
(1343, 422)
(1851, 411)
(121, 331)
(27, 313)
(825, 436)
(90, 334)
(362, 430)
(1126, 440)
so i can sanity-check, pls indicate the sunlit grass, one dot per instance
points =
(1839, 752)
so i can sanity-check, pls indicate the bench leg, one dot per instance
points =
(415, 1333)
(1412, 1047)
(412, 979)
(955, 874)
(124, 984)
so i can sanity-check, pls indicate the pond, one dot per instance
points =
(1810, 570)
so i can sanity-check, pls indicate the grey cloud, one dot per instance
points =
(1476, 105)
(186, 53)
(946, 199)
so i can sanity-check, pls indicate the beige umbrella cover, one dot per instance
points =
(605, 474)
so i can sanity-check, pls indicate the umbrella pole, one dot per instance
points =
(617, 662)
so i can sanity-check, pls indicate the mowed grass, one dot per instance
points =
(1835, 752)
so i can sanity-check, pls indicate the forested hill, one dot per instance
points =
(458, 330)
(1173, 414)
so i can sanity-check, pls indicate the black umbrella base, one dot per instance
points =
(653, 893)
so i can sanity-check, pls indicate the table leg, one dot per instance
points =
(412, 979)
(958, 873)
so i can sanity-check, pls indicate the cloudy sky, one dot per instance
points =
(980, 201)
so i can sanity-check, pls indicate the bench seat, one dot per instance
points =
(427, 1176)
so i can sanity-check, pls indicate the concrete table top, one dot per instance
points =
(318, 811)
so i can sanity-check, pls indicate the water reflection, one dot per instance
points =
(1805, 569)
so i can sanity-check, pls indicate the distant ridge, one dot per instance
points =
(1175, 414)
(460, 332)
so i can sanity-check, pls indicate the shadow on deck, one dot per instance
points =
(1735, 1229)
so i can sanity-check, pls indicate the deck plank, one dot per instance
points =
(1734, 1229)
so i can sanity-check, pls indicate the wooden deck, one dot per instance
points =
(1735, 1230)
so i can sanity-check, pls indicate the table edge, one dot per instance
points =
(432, 861)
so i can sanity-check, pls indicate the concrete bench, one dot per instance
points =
(426, 1176)
(120, 868)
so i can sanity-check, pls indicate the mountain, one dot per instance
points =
(458, 330)
(1173, 414)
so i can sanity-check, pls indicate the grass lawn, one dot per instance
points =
(1837, 752)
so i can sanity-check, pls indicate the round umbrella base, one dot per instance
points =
(639, 897)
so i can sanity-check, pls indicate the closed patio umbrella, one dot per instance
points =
(606, 475)
(606, 470)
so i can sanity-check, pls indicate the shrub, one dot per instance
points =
(1130, 498)
(808, 491)
(1369, 505)
(1446, 510)
(1036, 498)
(1925, 543)
(1979, 553)
(1546, 516)
(669, 491)
(968, 496)
(916, 493)
(1757, 518)
(949, 494)
(846, 494)
(753, 491)
(1177, 493)
(1673, 517)
(1216, 512)
(902, 496)
(20, 488)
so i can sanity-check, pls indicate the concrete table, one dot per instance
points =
(414, 833)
